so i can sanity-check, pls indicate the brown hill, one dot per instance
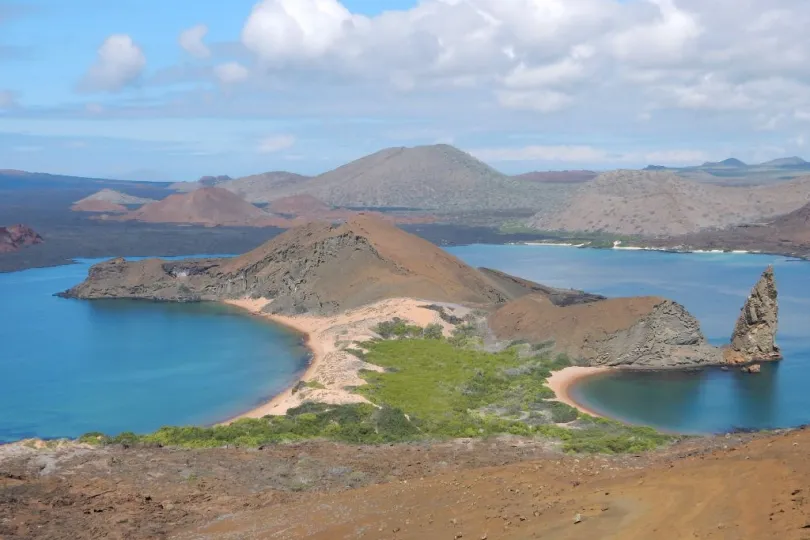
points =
(438, 177)
(640, 332)
(572, 177)
(210, 206)
(16, 237)
(299, 205)
(88, 205)
(654, 203)
(318, 268)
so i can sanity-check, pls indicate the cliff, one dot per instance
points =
(754, 337)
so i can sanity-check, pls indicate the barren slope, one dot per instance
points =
(113, 197)
(265, 187)
(438, 177)
(204, 206)
(655, 203)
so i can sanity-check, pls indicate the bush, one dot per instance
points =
(433, 331)
(397, 328)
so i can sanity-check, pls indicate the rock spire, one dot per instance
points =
(754, 338)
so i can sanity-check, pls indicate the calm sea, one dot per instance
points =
(713, 287)
(69, 366)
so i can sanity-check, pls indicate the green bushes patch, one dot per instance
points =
(432, 388)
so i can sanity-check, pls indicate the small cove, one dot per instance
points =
(713, 287)
(68, 367)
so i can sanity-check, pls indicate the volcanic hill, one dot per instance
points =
(15, 237)
(318, 267)
(438, 177)
(211, 206)
(654, 203)
(108, 200)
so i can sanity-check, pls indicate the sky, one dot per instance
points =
(176, 89)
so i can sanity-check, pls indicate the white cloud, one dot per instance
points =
(275, 143)
(534, 100)
(281, 30)
(191, 41)
(119, 63)
(231, 73)
(582, 154)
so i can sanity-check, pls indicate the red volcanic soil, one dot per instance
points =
(299, 205)
(90, 205)
(210, 206)
(565, 177)
(16, 237)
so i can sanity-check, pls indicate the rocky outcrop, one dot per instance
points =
(318, 268)
(754, 337)
(640, 332)
(17, 237)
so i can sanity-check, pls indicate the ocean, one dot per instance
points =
(68, 367)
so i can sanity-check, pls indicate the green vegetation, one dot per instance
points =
(591, 239)
(432, 388)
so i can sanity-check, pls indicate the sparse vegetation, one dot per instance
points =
(432, 388)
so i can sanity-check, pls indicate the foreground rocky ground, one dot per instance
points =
(740, 486)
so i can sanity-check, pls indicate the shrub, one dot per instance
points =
(433, 331)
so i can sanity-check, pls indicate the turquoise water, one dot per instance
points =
(69, 366)
(713, 287)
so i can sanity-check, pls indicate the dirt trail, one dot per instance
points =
(758, 491)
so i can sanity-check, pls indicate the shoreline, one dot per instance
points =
(331, 367)
(562, 381)
(283, 399)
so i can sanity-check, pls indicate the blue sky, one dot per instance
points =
(173, 90)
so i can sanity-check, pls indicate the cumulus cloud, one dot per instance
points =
(119, 63)
(231, 73)
(545, 55)
(275, 143)
(191, 41)
(284, 30)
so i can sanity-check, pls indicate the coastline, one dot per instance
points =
(562, 381)
(331, 368)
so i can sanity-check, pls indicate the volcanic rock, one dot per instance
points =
(317, 268)
(754, 335)
(640, 332)
(16, 237)
(753, 368)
